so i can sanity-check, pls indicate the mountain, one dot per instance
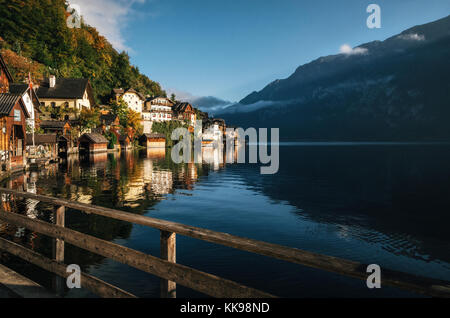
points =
(34, 37)
(397, 89)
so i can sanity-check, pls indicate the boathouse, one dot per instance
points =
(93, 143)
(46, 145)
(125, 142)
(153, 140)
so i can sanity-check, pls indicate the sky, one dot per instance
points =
(229, 48)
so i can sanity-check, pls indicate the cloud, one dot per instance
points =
(109, 17)
(348, 50)
(204, 103)
(412, 37)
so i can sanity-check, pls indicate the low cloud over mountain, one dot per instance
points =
(208, 104)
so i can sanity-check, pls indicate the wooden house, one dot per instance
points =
(31, 101)
(108, 122)
(153, 140)
(46, 145)
(65, 96)
(125, 142)
(59, 127)
(186, 112)
(63, 129)
(13, 116)
(93, 143)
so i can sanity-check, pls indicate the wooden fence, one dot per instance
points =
(166, 267)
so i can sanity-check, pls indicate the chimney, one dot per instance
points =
(52, 81)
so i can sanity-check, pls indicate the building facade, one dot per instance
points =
(64, 97)
(132, 98)
(186, 112)
(156, 109)
(13, 116)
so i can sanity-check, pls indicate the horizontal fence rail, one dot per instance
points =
(172, 273)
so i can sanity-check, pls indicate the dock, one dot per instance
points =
(14, 285)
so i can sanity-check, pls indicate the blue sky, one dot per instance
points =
(230, 48)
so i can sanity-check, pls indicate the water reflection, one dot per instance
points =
(374, 204)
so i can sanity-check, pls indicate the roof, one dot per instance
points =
(18, 89)
(53, 124)
(72, 88)
(7, 102)
(124, 137)
(159, 97)
(5, 67)
(108, 119)
(121, 91)
(41, 139)
(181, 107)
(153, 135)
(95, 138)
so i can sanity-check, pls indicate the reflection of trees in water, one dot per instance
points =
(398, 196)
(131, 181)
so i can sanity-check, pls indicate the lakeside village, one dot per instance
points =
(42, 123)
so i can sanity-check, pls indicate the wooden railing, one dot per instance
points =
(166, 267)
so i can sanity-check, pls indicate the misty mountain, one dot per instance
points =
(397, 89)
(209, 103)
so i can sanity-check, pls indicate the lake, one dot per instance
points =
(385, 204)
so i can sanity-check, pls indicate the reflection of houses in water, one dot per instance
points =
(162, 182)
(213, 156)
(98, 159)
(156, 153)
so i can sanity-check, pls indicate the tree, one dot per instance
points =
(112, 138)
(120, 109)
(173, 97)
(89, 118)
(134, 122)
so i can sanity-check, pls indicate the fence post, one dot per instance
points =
(168, 253)
(58, 249)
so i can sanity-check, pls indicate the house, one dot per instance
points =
(63, 129)
(131, 97)
(214, 130)
(46, 145)
(186, 112)
(108, 122)
(59, 127)
(125, 142)
(156, 109)
(31, 101)
(93, 143)
(153, 140)
(65, 97)
(13, 116)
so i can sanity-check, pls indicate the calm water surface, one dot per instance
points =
(386, 204)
